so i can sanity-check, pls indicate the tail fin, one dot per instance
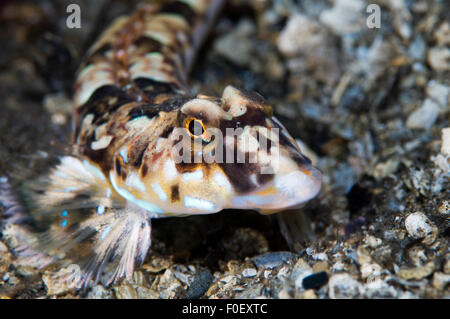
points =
(72, 216)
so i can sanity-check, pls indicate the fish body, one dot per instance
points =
(144, 147)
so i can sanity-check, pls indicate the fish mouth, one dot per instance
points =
(286, 191)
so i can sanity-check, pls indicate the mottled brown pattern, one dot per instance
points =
(123, 42)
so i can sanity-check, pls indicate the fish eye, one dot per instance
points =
(192, 125)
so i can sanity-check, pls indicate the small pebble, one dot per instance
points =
(447, 266)
(57, 103)
(99, 292)
(385, 169)
(440, 280)
(125, 291)
(444, 208)
(439, 93)
(61, 282)
(199, 283)
(370, 270)
(442, 34)
(236, 46)
(418, 48)
(321, 266)
(309, 294)
(305, 43)
(316, 256)
(419, 226)
(380, 289)
(439, 58)
(416, 273)
(249, 272)
(445, 147)
(363, 255)
(424, 116)
(343, 286)
(315, 281)
(301, 270)
(168, 285)
(272, 260)
(346, 16)
(372, 241)
(5, 258)
(282, 272)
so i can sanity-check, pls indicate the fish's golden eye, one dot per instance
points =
(197, 129)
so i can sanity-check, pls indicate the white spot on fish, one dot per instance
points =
(102, 143)
(221, 180)
(159, 191)
(194, 176)
(192, 202)
(108, 193)
(134, 181)
(170, 170)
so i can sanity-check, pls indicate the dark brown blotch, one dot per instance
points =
(152, 87)
(181, 9)
(105, 100)
(118, 167)
(151, 110)
(264, 143)
(143, 110)
(239, 175)
(187, 167)
(264, 178)
(140, 155)
(167, 132)
(174, 193)
(144, 170)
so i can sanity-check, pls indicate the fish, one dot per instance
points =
(144, 147)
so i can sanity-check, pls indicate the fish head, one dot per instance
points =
(214, 153)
